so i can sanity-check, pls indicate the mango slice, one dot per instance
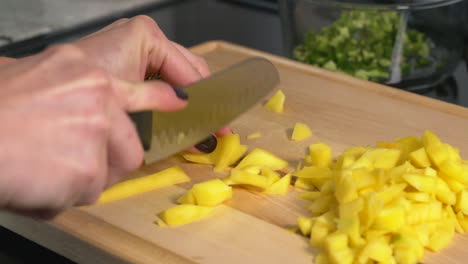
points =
(184, 214)
(171, 176)
(208, 193)
(227, 152)
(300, 132)
(262, 158)
(321, 155)
(276, 103)
(280, 187)
(247, 178)
(255, 135)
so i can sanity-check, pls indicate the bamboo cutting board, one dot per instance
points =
(341, 111)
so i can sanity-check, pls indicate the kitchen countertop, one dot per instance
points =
(188, 22)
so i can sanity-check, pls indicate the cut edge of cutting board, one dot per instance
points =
(373, 87)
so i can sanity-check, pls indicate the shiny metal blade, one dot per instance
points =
(214, 102)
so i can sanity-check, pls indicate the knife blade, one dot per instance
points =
(214, 102)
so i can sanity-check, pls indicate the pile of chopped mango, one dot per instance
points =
(258, 170)
(371, 205)
(384, 204)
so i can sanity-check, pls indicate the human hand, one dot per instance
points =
(134, 48)
(65, 134)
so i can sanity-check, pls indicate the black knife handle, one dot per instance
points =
(144, 125)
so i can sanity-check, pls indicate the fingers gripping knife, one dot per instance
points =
(214, 102)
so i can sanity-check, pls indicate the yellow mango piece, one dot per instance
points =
(328, 187)
(171, 176)
(321, 204)
(462, 221)
(391, 192)
(187, 198)
(185, 213)
(462, 202)
(418, 196)
(454, 170)
(372, 208)
(200, 158)
(419, 158)
(322, 226)
(443, 192)
(300, 132)
(322, 258)
(305, 224)
(305, 184)
(390, 218)
(437, 154)
(423, 232)
(316, 176)
(343, 256)
(351, 226)
(336, 241)
(449, 215)
(280, 187)
(407, 248)
(271, 175)
(243, 177)
(160, 223)
(420, 182)
(346, 190)
(321, 155)
(453, 184)
(228, 151)
(424, 212)
(430, 138)
(311, 196)
(262, 158)
(351, 209)
(363, 178)
(440, 240)
(378, 158)
(255, 135)
(377, 250)
(453, 153)
(276, 103)
(211, 192)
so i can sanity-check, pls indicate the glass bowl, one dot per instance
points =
(406, 44)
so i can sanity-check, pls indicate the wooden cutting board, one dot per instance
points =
(341, 111)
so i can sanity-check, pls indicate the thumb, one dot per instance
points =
(150, 95)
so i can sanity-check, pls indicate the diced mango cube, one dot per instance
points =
(321, 204)
(336, 241)
(440, 240)
(377, 250)
(300, 132)
(311, 196)
(420, 182)
(321, 155)
(462, 202)
(262, 158)
(454, 170)
(185, 213)
(211, 192)
(280, 187)
(244, 177)
(419, 158)
(345, 190)
(418, 196)
(443, 192)
(390, 218)
(437, 154)
(276, 103)
(228, 151)
(305, 224)
(351, 227)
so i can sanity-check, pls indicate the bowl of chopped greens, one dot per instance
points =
(410, 44)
